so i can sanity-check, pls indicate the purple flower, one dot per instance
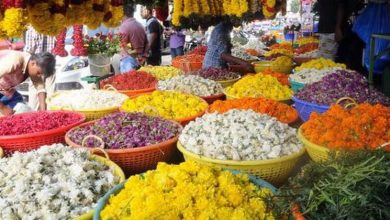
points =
(341, 84)
(127, 130)
(216, 74)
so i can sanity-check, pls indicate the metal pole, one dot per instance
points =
(372, 61)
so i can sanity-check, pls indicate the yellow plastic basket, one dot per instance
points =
(275, 171)
(229, 97)
(227, 83)
(316, 152)
(117, 172)
(260, 66)
(90, 114)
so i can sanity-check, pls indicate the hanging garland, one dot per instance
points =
(43, 20)
(192, 13)
(162, 12)
(115, 14)
(59, 48)
(14, 22)
(78, 42)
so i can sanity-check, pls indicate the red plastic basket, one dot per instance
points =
(29, 142)
(136, 160)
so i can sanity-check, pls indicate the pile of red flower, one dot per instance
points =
(133, 80)
(33, 122)
(201, 50)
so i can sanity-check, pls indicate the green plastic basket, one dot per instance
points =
(295, 86)
(105, 199)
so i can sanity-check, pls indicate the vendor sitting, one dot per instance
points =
(16, 67)
(219, 50)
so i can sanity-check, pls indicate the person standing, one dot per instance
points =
(176, 42)
(154, 32)
(15, 68)
(36, 43)
(219, 47)
(329, 26)
(133, 42)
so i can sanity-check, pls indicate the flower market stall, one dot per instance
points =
(299, 137)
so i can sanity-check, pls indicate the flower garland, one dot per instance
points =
(14, 22)
(43, 20)
(116, 18)
(269, 8)
(177, 10)
(78, 42)
(75, 13)
(59, 48)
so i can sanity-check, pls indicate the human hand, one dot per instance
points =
(5, 110)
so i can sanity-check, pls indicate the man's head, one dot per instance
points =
(128, 10)
(146, 12)
(41, 65)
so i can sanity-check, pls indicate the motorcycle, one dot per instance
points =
(190, 43)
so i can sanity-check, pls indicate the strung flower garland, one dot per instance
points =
(269, 8)
(14, 22)
(43, 20)
(116, 16)
(59, 48)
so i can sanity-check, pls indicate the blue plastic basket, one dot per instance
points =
(104, 200)
(306, 108)
(295, 86)
(289, 36)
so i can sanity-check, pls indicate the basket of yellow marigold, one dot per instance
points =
(188, 191)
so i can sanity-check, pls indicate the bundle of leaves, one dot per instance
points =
(353, 185)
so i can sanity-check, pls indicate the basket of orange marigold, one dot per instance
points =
(283, 112)
(364, 126)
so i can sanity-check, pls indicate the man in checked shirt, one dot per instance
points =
(36, 43)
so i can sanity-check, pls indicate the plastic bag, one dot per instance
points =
(375, 19)
(22, 108)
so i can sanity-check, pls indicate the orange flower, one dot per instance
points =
(282, 77)
(364, 126)
(281, 111)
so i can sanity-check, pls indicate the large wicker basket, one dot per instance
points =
(276, 171)
(136, 160)
(29, 142)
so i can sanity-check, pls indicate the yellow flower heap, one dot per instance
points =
(167, 104)
(188, 191)
(307, 40)
(162, 72)
(320, 63)
(259, 85)
(282, 61)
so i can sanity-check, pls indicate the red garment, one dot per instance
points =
(133, 33)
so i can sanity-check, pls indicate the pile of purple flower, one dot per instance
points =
(341, 84)
(216, 74)
(126, 130)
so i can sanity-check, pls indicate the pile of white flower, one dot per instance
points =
(240, 135)
(308, 76)
(310, 54)
(53, 182)
(191, 84)
(242, 54)
(86, 99)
